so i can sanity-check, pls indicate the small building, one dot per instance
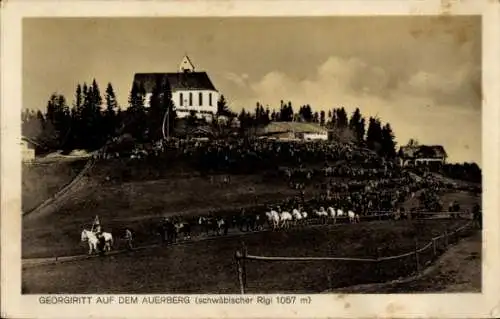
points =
(28, 149)
(191, 90)
(294, 131)
(422, 155)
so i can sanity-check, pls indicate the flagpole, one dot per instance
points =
(94, 222)
(163, 124)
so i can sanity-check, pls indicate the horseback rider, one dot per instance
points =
(100, 237)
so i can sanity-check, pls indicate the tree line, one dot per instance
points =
(93, 118)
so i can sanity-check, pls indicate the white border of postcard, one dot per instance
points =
(14, 305)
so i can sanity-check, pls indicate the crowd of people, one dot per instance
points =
(236, 155)
(348, 176)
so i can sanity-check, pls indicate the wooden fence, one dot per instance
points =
(421, 256)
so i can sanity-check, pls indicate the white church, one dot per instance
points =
(191, 90)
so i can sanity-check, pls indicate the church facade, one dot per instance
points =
(192, 91)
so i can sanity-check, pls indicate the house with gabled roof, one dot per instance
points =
(28, 149)
(422, 154)
(191, 90)
(294, 130)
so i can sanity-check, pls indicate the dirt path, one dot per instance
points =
(457, 270)
(58, 199)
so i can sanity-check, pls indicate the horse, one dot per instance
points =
(93, 241)
(297, 216)
(322, 214)
(285, 218)
(183, 228)
(108, 241)
(217, 225)
(167, 231)
(259, 222)
(205, 223)
(273, 219)
(91, 238)
(332, 213)
(353, 217)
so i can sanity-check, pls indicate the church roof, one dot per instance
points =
(178, 81)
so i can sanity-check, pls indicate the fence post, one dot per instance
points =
(238, 256)
(446, 239)
(243, 264)
(416, 256)
(378, 262)
(434, 246)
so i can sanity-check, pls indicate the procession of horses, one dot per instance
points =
(171, 230)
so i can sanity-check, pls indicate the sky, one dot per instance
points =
(420, 74)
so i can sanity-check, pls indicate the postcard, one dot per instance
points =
(250, 159)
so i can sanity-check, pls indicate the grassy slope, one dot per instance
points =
(458, 270)
(208, 266)
(39, 182)
(135, 204)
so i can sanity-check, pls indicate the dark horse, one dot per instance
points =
(183, 228)
(166, 230)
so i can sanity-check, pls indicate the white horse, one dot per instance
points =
(322, 214)
(273, 218)
(285, 218)
(90, 237)
(353, 217)
(297, 216)
(340, 213)
(332, 213)
(93, 241)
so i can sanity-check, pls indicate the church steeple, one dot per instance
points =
(186, 65)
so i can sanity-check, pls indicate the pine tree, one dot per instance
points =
(342, 120)
(110, 114)
(315, 118)
(267, 118)
(322, 118)
(155, 111)
(361, 130)
(374, 134)
(388, 145)
(222, 108)
(168, 108)
(243, 118)
(135, 123)
(58, 121)
(357, 125)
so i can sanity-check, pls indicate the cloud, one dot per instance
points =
(239, 80)
(432, 106)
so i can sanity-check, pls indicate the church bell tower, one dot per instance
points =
(186, 65)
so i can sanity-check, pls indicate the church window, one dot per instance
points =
(210, 99)
(200, 97)
(181, 99)
(190, 99)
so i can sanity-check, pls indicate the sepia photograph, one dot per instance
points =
(251, 155)
(237, 159)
